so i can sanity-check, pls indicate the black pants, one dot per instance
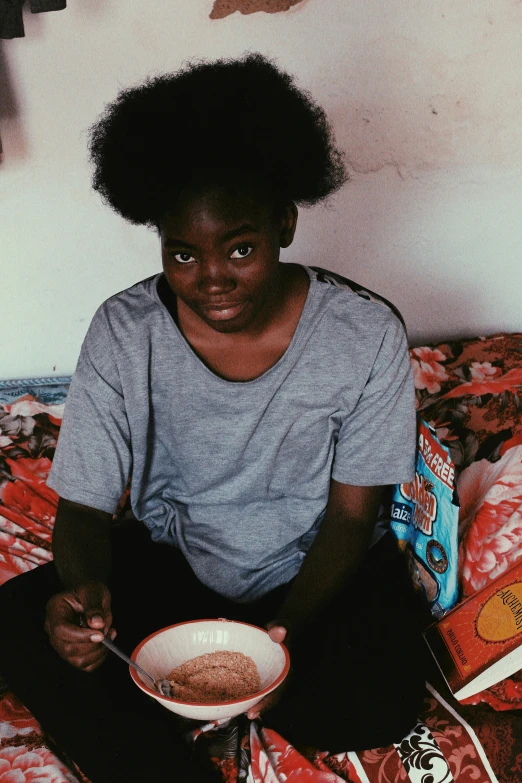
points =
(357, 683)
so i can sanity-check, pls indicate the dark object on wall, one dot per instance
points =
(11, 19)
(224, 8)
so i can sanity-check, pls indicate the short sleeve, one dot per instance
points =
(376, 443)
(93, 458)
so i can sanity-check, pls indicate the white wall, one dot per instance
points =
(425, 99)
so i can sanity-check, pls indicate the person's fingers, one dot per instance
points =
(72, 599)
(98, 636)
(78, 655)
(95, 599)
(71, 636)
(83, 654)
(78, 644)
(75, 635)
(269, 701)
(255, 712)
(90, 661)
(277, 633)
(62, 621)
(93, 666)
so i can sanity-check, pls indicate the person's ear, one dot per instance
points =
(289, 215)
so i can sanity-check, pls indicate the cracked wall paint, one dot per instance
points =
(223, 8)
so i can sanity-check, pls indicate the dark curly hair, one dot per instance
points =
(213, 123)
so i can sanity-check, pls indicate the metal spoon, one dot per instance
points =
(161, 686)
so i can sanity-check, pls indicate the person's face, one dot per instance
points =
(220, 250)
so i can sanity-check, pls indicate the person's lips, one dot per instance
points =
(222, 311)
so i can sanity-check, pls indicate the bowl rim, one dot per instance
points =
(257, 694)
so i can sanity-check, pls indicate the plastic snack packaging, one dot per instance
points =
(425, 520)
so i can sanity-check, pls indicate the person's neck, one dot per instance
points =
(245, 356)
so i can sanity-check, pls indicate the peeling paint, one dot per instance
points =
(223, 8)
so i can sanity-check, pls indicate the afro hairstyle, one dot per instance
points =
(213, 123)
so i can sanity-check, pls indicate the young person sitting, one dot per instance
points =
(260, 410)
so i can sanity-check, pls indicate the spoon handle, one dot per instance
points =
(111, 646)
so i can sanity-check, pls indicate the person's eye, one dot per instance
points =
(242, 251)
(184, 258)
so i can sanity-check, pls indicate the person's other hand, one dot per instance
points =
(279, 634)
(80, 646)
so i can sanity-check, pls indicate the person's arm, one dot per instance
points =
(335, 555)
(82, 557)
(362, 452)
(332, 560)
(81, 544)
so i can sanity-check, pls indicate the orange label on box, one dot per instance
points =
(480, 631)
(500, 618)
(474, 635)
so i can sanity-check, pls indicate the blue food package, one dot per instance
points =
(425, 520)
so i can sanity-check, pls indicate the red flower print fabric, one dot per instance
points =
(27, 505)
(30, 418)
(18, 765)
(491, 519)
(14, 718)
(428, 371)
(24, 755)
(441, 748)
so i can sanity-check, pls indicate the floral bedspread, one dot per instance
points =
(471, 392)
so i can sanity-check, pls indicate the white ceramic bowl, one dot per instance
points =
(169, 647)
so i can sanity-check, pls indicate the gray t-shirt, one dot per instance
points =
(236, 474)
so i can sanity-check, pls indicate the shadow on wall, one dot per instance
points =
(224, 8)
(13, 143)
(12, 138)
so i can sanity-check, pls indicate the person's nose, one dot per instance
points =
(215, 277)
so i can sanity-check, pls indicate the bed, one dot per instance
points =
(471, 392)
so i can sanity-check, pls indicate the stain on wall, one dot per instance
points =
(224, 8)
